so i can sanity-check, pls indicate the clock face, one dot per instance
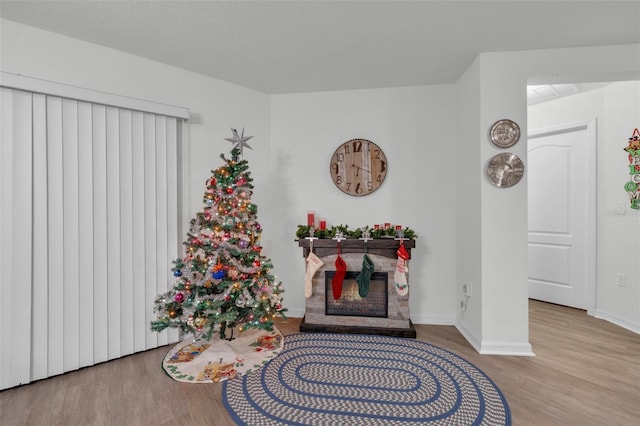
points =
(358, 167)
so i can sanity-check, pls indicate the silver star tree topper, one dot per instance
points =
(239, 141)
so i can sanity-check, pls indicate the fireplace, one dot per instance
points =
(350, 303)
(322, 315)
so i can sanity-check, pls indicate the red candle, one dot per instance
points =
(376, 226)
(398, 227)
(311, 219)
(387, 225)
(323, 223)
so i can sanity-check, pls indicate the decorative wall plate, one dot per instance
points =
(504, 133)
(505, 170)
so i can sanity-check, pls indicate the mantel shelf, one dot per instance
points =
(386, 247)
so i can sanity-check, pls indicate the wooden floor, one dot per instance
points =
(586, 372)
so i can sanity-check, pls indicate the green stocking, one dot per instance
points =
(364, 276)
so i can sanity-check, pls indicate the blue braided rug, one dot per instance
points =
(351, 379)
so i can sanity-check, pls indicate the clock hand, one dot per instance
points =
(358, 167)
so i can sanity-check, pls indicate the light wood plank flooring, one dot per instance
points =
(586, 372)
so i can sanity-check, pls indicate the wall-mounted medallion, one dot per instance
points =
(505, 170)
(504, 133)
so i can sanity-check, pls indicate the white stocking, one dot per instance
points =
(313, 263)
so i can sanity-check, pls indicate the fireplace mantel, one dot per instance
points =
(386, 247)
(383, 253)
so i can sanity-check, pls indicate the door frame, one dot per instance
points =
(591, 184)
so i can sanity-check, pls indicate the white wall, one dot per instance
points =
(215, 105)
(616, 108)
(416, 129)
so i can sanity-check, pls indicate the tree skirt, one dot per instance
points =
(216, 360)
(338, 379)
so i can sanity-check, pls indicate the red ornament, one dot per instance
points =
(256, 263)
(229, 190)
(227, 298)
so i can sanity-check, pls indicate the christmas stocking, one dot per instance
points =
(400, 277)
(364, 276)
(338, 278)
(313, 263)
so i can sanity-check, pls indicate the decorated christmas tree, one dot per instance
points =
(223, 282)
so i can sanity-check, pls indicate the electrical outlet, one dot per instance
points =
(466, 290)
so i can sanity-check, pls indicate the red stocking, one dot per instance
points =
(338, 277)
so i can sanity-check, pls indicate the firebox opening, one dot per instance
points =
(375, 304)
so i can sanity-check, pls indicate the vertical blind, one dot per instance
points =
(89, 221)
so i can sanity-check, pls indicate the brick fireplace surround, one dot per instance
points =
(383, 254)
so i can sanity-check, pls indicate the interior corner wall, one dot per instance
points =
(469, 175)
(491, 240)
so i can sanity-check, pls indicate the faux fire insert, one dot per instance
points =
(374, 304)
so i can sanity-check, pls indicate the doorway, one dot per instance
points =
(561, 214)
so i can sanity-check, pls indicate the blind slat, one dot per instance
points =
(40, 297)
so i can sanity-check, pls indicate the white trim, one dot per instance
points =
(591, 231)
(432, 319)
(470, 338)
(36, 85)
(506, 348)
(495, 348)
(621, 322)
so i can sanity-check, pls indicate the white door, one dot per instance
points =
(561, 188)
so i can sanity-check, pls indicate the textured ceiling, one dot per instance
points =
(307, 46)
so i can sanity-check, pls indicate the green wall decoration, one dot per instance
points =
(633, 185)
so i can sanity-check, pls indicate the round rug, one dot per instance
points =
(344, 379)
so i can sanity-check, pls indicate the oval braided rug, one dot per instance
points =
(347, 379)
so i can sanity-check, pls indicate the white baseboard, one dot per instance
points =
(469, 336)
(495, 348)
(635, 327)
(432, 320)
(506, 348)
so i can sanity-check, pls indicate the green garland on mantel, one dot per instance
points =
(303, 232)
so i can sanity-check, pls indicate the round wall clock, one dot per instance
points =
(504, 133)
(358, 167)
(505, 170)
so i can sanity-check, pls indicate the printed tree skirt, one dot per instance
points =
(216, 360)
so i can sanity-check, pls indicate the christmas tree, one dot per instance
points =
(223, 280)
